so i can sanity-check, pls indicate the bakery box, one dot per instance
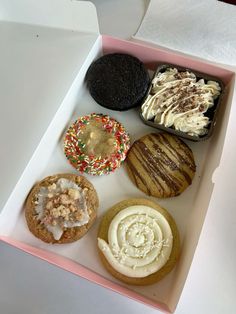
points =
(45, 57)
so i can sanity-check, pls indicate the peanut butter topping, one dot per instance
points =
(97, 141)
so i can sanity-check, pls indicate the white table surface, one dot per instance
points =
(29, 285)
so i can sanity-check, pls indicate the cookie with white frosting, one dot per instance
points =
(61, 208)
(138, 242)
(161, 165)
(181, 101)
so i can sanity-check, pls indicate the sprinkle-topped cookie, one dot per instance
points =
(96, 144)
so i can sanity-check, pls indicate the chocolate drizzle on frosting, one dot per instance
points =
(161, 165)
(179, 100)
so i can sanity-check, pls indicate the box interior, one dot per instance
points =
(188, 209)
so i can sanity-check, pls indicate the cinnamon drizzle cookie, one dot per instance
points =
(161, 165)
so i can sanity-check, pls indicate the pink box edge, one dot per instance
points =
(172, 57)
(83, 272)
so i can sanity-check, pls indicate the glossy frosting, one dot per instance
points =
(139, 241)
(59, 216)
(178, 100)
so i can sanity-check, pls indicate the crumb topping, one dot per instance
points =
(62, 205)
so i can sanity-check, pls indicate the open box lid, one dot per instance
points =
(43, 46)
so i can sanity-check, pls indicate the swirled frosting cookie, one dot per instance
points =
(118, 81)
(138, 242)
(161, 165)
(96, 144)
(61, 208)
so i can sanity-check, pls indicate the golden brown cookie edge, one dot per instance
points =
(145, 189)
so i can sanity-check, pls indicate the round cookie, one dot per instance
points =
(96, 144)
(61, 208)
(162, 247)
(118, 81)
(161, 165)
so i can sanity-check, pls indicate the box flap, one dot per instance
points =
(43, 47)
(171, 26)
(66, 14)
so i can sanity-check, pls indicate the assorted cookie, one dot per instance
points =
(179, 100)
(118, 81)
(138, 242)
(96, 144)
(161, 165)
(61, 208)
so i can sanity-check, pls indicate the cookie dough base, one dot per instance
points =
(161, 165)
(70, 234)
(103, 234)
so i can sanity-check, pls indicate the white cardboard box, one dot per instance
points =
(44, 60)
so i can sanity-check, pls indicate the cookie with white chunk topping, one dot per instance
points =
(61, 208)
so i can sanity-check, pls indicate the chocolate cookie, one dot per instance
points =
(138, 242)
(61, 208)
(161, 165)
(118, 81)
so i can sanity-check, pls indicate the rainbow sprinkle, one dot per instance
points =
(73, 147)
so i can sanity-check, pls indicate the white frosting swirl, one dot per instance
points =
(177, 99)
(139, 241)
